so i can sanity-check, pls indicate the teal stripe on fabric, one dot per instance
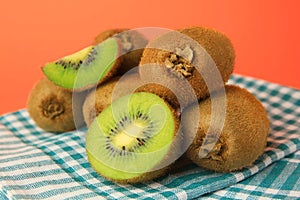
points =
(46, 194)
(276, 170)
(292, 182)
(3, 196)
(10, 142)
(14, 147)
(88, 196)
(30, 175)
(39, 184)
(18, 152)
(22, 157)
(5, 136)
(25, 165)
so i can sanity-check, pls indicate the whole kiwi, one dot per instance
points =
(55, 109)
(133, 45)
(200, 57)
(242, 139)
(101, 97)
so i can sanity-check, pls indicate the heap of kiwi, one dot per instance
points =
(143, 125)
(73, 76)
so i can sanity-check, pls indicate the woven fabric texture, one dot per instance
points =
(35, 164)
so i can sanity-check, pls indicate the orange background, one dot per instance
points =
(265, 34)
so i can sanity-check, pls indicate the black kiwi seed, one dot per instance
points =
(71, 64)
(121, 123)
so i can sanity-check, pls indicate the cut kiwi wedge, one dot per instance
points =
(85, 68)
(133, 139)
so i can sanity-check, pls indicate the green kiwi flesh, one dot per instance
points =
(53, 108)
(85, 68)
(125, 143)
(242, 139)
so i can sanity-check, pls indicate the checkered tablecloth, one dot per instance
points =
(38, 165)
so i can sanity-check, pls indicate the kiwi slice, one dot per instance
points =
(85, 68)
(242, 139)
(132, 42)
(135, 139)
(53, 108)
(100, 98)
(201, 56)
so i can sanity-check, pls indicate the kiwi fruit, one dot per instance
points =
(197, 56)
(133, 44)
(180, 165)
(135, 139)
(54, 108)
(242, 139)
(86, 68)
(100, 98)
(107, 34)
(97, 100)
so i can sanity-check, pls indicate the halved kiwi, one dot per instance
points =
(242, 139)
(53, 108)
(133, 44)
(200, 57)
(135, 139)
(86, 68)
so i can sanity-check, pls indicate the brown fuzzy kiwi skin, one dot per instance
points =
(174, 152)
(180, 164)
(216, 44)
(132, 58)
(165, 93)
(107, 34)
(97, 100)
(243, 137)
(101, 97)
(51, 107)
